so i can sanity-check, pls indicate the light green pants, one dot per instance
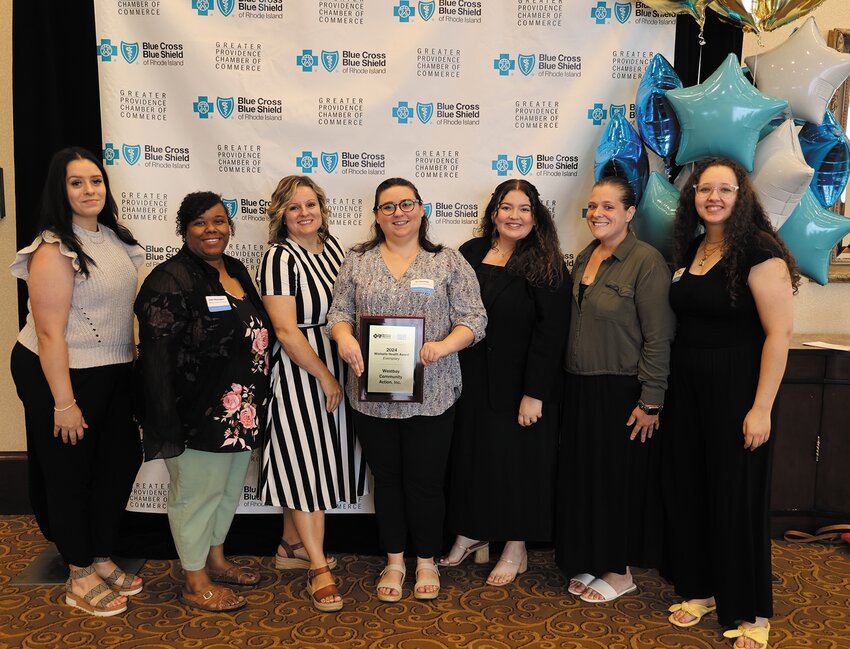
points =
(203, 494)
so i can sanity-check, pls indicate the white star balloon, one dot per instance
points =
(804, 70)
(780, 174)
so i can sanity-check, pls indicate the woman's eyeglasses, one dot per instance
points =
(406, 205)
(726, 191)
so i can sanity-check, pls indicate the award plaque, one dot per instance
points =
(390, 347)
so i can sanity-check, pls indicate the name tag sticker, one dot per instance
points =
(422, 286)
(218, 303)
(678, 275)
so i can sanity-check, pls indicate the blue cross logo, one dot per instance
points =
(203, 107)
(106, 50)
(504, 64)
(306, 60)
(601, 13)
(501, 165)
(203, 7)
(402, 112)
(403, 11)
(110, 154)
(307, 161)
(597, 114)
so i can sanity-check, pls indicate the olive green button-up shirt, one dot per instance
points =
(624, 324)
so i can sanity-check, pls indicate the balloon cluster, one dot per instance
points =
(749, 15)
(796, 175)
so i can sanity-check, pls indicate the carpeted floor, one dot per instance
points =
(812, 602)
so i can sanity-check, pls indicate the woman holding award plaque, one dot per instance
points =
(506, 434)
(402, 309)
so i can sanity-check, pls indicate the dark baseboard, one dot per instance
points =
(14, 489)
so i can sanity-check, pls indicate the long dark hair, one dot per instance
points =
(56, 214)
(538, 256)
(378, 234)
(748, 228)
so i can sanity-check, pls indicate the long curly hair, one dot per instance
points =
(281, 196)
(537, 257)
(56, 214)
(378, 234)
(747, 229)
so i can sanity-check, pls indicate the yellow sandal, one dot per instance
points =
(755, 633)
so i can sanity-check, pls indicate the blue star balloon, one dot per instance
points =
(656, 121)
(811, 232)
(655, 214)
(826, 149)
(722, 116)
(621, 153)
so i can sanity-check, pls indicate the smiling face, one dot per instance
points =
(607, 216)
(399, 227)
(714, 197)
(85, 188)
(303, 214)
(207, 235)
(514, 217)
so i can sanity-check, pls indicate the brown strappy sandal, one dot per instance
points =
(319, 594)
(292, 562)
(85, 602)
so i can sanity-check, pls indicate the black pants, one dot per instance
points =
(79, 491)
(408, 458)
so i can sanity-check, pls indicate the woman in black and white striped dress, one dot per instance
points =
(311, 460)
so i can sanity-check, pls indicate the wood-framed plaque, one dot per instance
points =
(392, 368)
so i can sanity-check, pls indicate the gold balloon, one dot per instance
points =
(763, 15)
(694, 8)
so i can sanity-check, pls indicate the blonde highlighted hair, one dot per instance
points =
(281, 197)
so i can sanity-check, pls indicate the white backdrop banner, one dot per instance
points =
(455, 95)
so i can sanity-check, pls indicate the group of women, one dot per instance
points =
(542, 394)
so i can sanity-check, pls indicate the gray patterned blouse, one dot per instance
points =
(365, 286)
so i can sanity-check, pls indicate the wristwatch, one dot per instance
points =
(648, 409)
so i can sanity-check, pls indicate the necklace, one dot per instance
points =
(707, 252)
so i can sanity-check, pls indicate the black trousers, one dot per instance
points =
(79, 491)
(408, 458)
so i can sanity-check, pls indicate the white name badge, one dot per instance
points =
(218, 303)
(678, 274)
(422, 286)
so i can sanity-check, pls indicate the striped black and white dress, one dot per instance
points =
(311, 459)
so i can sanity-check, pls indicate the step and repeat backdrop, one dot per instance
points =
(455, 95)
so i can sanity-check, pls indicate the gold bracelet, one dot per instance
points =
(68, 407)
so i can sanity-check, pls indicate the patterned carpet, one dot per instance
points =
(812, 602)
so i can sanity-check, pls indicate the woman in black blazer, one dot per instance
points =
(506, 427)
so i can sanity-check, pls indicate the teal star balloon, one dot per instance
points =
(811, 232)
(655, 214)
(722, 116)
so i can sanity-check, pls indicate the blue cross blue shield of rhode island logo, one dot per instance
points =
(330, 59)
(617, 109)
(131, 153)
(225, 7)
(130, 51)
(622, 10)
(426, 9)
(329, 161)
(424, 111)
(524, 163)
(526, 63)
(231, 205)
(427, 207)
(224, 106)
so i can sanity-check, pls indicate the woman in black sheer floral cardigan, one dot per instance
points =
(203, 364)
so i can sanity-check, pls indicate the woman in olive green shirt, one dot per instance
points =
(617, 362)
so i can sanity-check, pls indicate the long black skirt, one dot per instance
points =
(609, 513)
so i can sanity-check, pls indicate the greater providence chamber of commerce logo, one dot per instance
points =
(441, 62)
(238, 107)
(343, 162)
(246, 158)
(345, 211)
(440, 113)
(238, 56)
(141, 205)
(541, 64)
(340, 111)
(344, 61)
(536, 164)
(536, 113)
(145, 105)
(540, 13)
(457, 11)
(340, 12)
(437, 163)
(161, 156)
(146, 52)
(256, 9)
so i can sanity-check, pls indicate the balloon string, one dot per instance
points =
(699, 59)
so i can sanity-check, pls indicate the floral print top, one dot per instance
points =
(202, 371)
(237, 418)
